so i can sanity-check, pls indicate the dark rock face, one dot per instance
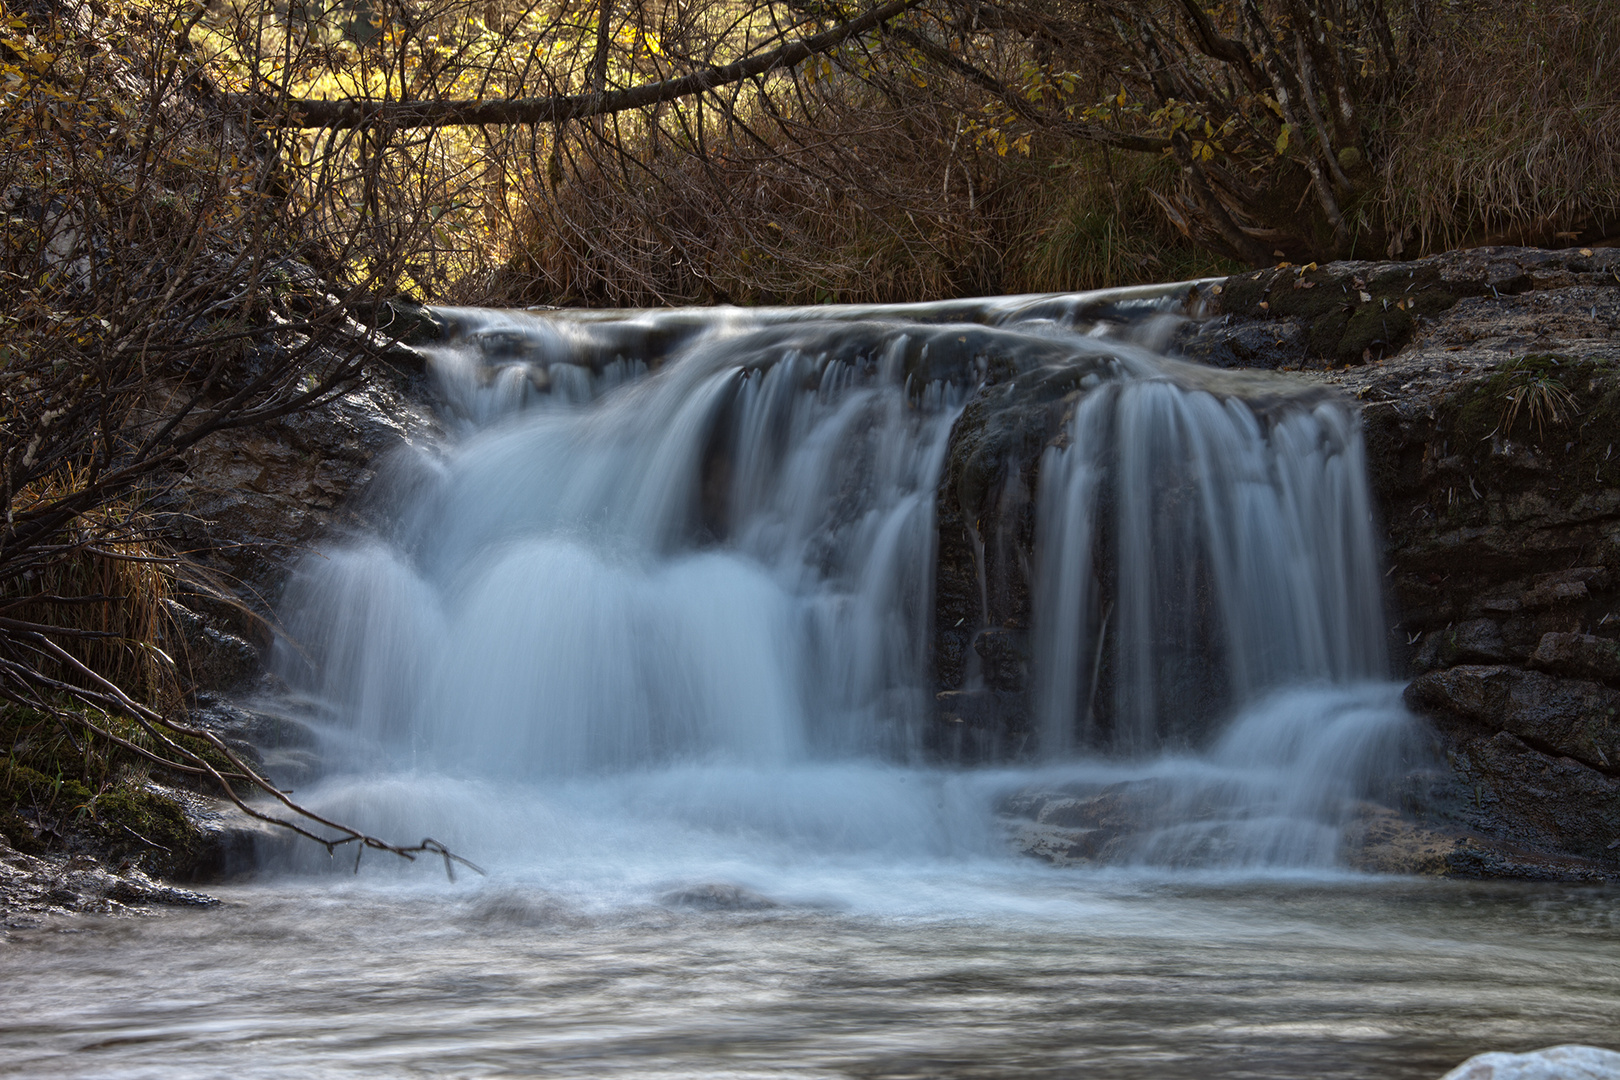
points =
(1504, 542)
(1573, 718)
(1538, 751)
(1584, 656)
(985, 517)
(1551, 802)
(252, 499)
(214, 659)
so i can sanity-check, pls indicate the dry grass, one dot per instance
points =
(874, 202)
(1511, 131)
(1533, 391)
(109, 581)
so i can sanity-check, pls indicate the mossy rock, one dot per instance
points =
(1343, 327)
(87, 794)
(138, 822)
(124, 822)
(1373, 332)
(1480, 409)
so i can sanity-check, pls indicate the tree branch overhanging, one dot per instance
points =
(352, 112)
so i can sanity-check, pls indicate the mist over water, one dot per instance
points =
(660, 610)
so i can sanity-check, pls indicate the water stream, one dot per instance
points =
(649, 638)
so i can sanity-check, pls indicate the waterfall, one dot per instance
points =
(689, 557)
(1236, 530)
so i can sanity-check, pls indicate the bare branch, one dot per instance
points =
(349, 113)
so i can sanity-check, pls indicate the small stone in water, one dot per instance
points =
(717, 896)
(1571, 1062)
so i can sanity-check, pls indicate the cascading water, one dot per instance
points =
(1237, 534)
(671, 582)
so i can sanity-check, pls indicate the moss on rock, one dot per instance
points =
(87, 794)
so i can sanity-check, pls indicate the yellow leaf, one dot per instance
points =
(1282, 138)
(1121, 99)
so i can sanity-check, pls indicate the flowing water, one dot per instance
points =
(649, 638)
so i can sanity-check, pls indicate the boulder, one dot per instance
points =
(1541, 799)
(1572, 1062)
(1573, 718)
(1581, 655)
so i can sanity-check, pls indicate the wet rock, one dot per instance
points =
(1488, 859)
(985, 511)
(32, 887)
(1068, 827)
(1581, 655)
(252, 498)
(1379, 840)
(230, 843)
(719, 896)
(524, 908)
(1004, 658)
(215, 659)
(1572, 1062)
(1060, 846)
(1571, 717)
(284, 747)
(1549, 801)
(1226, 343)
(975, 726)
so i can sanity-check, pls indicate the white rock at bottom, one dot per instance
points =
(1553, 1063)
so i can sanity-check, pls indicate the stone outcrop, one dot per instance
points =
(1503, 527)
(251, 499)
(1569, 717)
(1504, 543)
(33, 888)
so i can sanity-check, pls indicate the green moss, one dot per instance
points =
(87, 793)
(1343, 327)
(1373, 332)
(1482, 410)
(134, 819)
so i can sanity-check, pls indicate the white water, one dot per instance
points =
(660, 611)
(1265, 519)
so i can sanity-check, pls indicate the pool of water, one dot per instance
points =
(970, 970)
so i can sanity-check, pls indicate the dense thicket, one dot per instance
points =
(150, 298)
(954, 146)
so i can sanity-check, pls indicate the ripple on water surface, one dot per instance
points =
(1088, 975)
